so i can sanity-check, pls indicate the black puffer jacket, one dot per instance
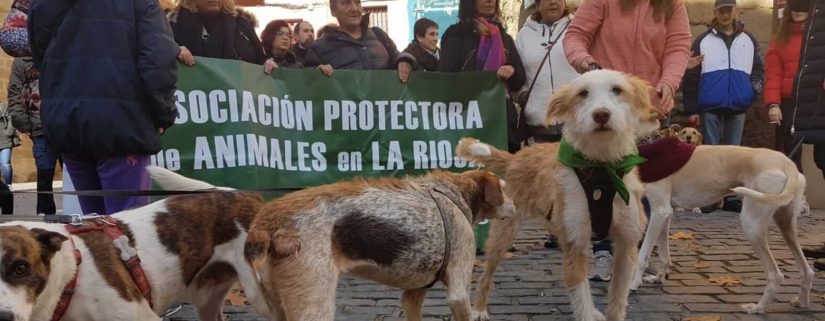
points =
(459, 46)
(107, 79)
(809, 96)
(228, 37)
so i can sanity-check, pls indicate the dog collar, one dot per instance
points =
(665, 157)
(68, 290)
(106, 225)
(573, 158)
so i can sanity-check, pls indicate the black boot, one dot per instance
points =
(814, 252)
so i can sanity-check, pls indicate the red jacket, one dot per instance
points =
(781, 65)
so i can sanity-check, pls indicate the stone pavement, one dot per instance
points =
(529, 285)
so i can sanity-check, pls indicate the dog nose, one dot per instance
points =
(6, 316)
(601, 116)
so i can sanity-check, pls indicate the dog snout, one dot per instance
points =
(601, 116)
(6, 316)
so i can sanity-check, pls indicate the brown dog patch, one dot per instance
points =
(194, 224)
(364, 237)
(110, 266)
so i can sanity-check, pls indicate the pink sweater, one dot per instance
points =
(632, 42)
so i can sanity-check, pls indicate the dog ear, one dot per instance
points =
(640, 98)
(560, 104)
(50, 242)
(491, 187)
(699, 138)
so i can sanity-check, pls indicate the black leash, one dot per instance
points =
(126, 193)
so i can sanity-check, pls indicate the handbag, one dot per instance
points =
(14, 36)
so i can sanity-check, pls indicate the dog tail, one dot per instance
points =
(493, 159)
(787, 195)
(276, 245)
(171, 181)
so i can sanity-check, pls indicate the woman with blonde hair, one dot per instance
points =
(215, 29)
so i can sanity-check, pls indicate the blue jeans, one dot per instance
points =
(45, 159)
(724, 129)
(5, 165)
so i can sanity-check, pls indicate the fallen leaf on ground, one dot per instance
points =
(701, 265)
(726, 280)
(704, 318)
(508, 255)
(236, 296)
(681, 235)
(695, 246)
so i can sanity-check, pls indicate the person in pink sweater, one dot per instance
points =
(646, 38)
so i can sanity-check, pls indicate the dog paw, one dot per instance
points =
(678, 209)
(795, 302)
(753, 308)
(480, 316)
(697, 210)
(594, 315)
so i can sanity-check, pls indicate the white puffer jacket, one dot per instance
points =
(531, 43)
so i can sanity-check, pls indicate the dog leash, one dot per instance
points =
(448, 222)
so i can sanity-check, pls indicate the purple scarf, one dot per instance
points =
(490, 47)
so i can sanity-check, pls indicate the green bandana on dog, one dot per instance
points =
(572, 158)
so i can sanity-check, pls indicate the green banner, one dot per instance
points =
(295, 128)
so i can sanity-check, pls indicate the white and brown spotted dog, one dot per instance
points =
(405, 233)
(602, 111)
(191, 248)
(772, 189)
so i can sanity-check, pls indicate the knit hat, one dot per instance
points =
(799, 5)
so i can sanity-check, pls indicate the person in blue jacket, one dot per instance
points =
(107, 79)
(719, 91)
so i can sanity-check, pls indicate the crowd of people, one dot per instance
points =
(105, 127)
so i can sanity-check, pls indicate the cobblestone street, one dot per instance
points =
(529, 285)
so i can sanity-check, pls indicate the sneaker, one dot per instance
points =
(551, 242)
(819, 264)
(814, 252)
(732, 205)
(602, 262)
(175, 308)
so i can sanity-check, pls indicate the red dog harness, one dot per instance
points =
(128, 255)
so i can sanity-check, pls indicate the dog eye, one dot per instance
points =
(20, 269)
(584, 93)
(616, 91)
